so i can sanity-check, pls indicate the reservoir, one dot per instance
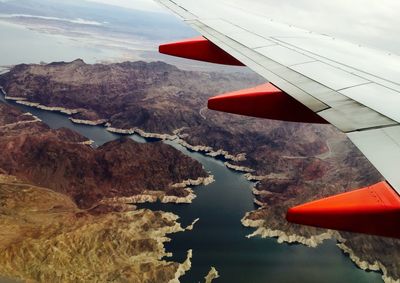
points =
(219, 239)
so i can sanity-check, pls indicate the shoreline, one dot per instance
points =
(88, 122)
(150, 197)
(209, 151)
(139, 132)
(239, 168)
(191, 226)
(313, 242)
(34, 120)
(47, 108)
(206, 150)
(153, 196)
(283, 237)
(24, 101)
(183, 267)
(195, 182)
(260, 230)
(133, 222)
(376, 266)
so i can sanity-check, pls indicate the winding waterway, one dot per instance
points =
(218, 238)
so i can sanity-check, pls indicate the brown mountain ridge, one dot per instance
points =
(293, 163)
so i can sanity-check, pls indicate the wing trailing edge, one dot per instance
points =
(372, 210)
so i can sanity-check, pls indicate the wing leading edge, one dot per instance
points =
(320, 80)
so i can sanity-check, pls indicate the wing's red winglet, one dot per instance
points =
(264, 101)
(199, 48)
(373, 210)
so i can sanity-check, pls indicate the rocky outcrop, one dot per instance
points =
(190, 196)
(43, 107)
(145, 196)
(212, 152)
(151, 197)
(197, 182)
(89, 122)
(284, 237)
(212, 274)
(238, 168)
(191, 226)
(183, 267)
(140, 132)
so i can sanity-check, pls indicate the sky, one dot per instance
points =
(374, 23)
(146, 5)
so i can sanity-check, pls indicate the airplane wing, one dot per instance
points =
(313, 78)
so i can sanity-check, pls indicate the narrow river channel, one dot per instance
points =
(218, 238)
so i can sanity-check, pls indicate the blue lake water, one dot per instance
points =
(218, 239)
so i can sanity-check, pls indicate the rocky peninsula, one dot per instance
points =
(57, 221)
(119, 170)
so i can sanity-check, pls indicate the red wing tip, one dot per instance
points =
(199, 48)
(264, 101)
(165, 46)
(373, 210)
